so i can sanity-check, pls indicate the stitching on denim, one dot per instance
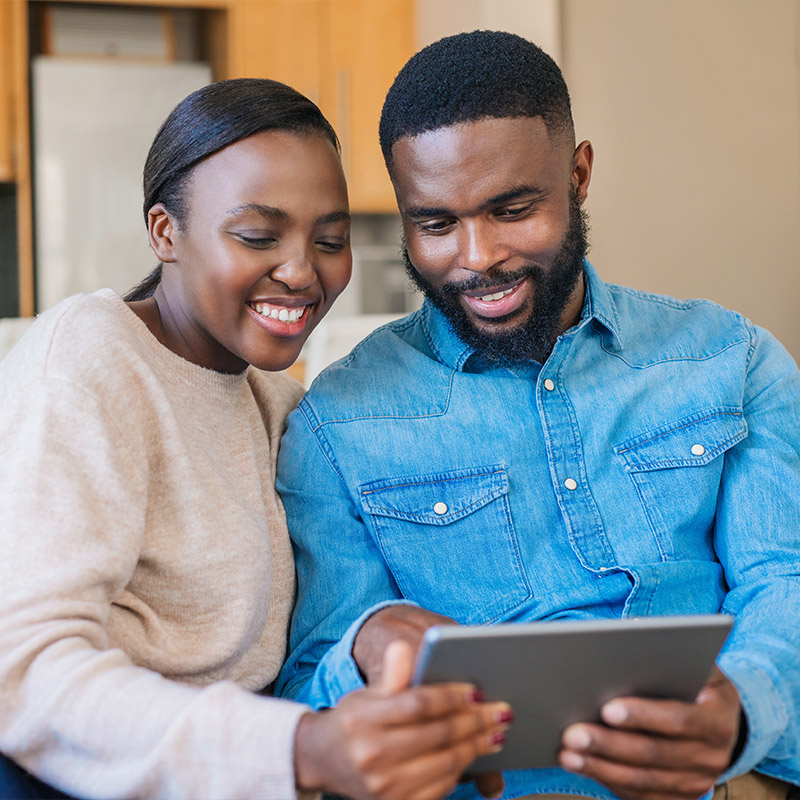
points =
(428, 483)
(319, 437)
(397, 416)
(672, 360)
(689, 423)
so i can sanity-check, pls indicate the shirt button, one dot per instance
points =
(571, 483)
(440, 508)
(549, 385)
(698, 449)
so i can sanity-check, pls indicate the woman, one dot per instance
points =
(145, 566)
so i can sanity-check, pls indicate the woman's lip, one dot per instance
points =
(502, 307)
(279, 327)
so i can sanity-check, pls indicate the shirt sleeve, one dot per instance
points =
(756, 538)
(77, 712)
(342, 577)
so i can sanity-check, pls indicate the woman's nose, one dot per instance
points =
(296, 270)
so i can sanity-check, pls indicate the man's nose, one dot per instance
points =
(479, 247)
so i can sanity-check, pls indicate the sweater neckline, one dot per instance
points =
(177, 365)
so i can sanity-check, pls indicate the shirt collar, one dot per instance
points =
(450, 350)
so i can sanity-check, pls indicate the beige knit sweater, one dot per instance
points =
(146, 576)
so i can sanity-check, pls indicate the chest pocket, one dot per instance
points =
(449, 540)
(677, 469)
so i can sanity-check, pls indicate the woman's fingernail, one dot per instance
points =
(571, 760)
(498, 738)
(506, 716)
(577, 737)
(477, 696)
(614, 713)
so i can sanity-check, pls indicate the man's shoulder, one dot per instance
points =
(671, 327)
(391, 372)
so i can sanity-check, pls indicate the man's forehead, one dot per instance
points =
(483, 154)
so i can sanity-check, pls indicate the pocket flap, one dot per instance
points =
(436, 499)
(689, 442)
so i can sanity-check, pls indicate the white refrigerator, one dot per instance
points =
(93, 122)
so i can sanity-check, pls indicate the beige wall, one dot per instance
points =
(693, 107)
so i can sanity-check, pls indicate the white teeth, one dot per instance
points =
(497, 295)
(281, 314)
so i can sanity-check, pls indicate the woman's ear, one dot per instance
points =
(161, 229)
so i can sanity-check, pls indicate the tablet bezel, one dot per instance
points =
(581, 664)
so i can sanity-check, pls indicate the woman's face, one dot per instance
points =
(262, 254)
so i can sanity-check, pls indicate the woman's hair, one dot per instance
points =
(208, 120)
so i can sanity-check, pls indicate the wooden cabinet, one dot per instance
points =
(344, 55)
(7, 91)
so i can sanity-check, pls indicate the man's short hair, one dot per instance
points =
(473, 76)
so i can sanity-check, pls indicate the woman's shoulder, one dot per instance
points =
(83, 339)
(278, 392)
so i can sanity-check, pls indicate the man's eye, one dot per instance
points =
(513, 211)
(436, 225)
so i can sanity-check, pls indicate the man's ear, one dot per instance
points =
(582, 160)
(161, 229)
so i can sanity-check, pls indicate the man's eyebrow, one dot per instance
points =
(429, 212)
(513, 194)
(279, 215)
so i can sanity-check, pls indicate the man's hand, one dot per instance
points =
(658, 749)
(390, 624)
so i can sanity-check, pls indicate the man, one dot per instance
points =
(535, 444)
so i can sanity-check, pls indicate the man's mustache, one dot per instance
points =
(491, 279)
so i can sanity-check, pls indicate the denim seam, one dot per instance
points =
(365, 418)
(649, 364)
(319, 437)
(430, 482)
(637, 442)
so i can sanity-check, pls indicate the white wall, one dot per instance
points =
(693, 107)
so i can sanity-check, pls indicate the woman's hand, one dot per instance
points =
(658, 749)
(389, 742)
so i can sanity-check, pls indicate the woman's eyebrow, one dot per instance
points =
(334, 216)
(270, 212)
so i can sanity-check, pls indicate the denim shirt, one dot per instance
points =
(651, 466)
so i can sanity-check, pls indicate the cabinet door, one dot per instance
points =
(368, 43)
(7, 50)
(278, 39)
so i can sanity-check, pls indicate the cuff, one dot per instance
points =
(337, 669)
(764, 711)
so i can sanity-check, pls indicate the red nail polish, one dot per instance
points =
(498, 738)
(506, 716)
(477, 696)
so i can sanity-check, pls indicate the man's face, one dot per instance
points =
(495, 235)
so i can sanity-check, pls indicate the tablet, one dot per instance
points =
(557, 673)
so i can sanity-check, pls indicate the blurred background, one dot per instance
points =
(693, 107)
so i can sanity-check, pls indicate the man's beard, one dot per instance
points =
(534, 338)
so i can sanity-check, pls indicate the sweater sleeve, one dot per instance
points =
(78, 713)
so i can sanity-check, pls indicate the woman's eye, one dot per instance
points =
(259, 242)
(331, 247)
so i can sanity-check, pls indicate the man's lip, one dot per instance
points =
(484, 291)
(501, 307)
